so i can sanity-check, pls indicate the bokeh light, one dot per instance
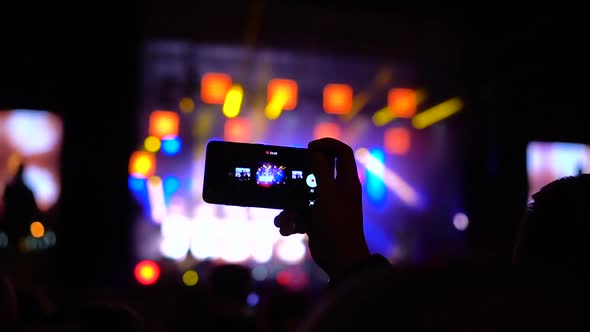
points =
(233, 101)
(190, 278)
(375, 186)
(44, 185)
(337, 99)
(382, 117)
(284, 278)
(147, 272)
(163, 124)
(237, 130)
(156, 198)
(437, 113)
(171, 146)
(285, 90)
(186, 105)
(152, 144)
(262, 252)
(50, 238)
(32, 132)
(214, 87)
(397, 141)
(460, 221)
(176, 237)
(171, 184)
(259, 273)
(37, 229)
(292, 249)
(402, 103)
(273, 110)
(136, 184)
(142, 164)
(327, 129)
(253, 299)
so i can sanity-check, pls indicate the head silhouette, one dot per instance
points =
(20, 207)
(20, 172)
(556, 228)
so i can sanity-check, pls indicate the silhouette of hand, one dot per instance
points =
(335, 226)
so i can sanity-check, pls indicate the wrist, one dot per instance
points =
(361, 265)
(349, 263)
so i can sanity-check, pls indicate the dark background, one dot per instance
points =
(522, 73)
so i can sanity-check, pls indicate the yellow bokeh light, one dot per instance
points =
(186, 105)
(155, 181)
(152, 144)
(143, 164)
(233, 101)
(437, 113)
(275, 107)
(147, 273)
(190, 278)
(382, 117)
(272, 113)
(37, 229)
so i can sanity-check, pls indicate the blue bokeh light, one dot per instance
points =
(171, 184)
(375, 186)
(171, 146)
(253, 299)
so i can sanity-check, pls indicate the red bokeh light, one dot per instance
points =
(294, 279)
(402, 103)
(163, 124)
(214, 87)
(397, 140)
(326, 129)
(237, 130)
(142, 164)
(285, 88)
(284, 278)
(147, 272)
(337, 98)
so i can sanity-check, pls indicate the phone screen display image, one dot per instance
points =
(258, 175)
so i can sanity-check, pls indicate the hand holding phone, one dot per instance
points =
(335, 225)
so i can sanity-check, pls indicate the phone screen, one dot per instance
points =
(258, 175)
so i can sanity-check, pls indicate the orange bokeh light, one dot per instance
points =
(285, 90)
(163, 124)
(397, 141)
(142, 164)
(37, 229)
(337, 98)
(214, 87)
(326, 129)
(237, 130)
(402, 103)
(147, 272)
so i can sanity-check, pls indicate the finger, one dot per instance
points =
(285, 222)
(320, 167)
(285, 217)
(345, 162)
(279, 219)
(291, 222)
(287, 229)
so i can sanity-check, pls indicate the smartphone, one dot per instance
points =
(258, 175)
